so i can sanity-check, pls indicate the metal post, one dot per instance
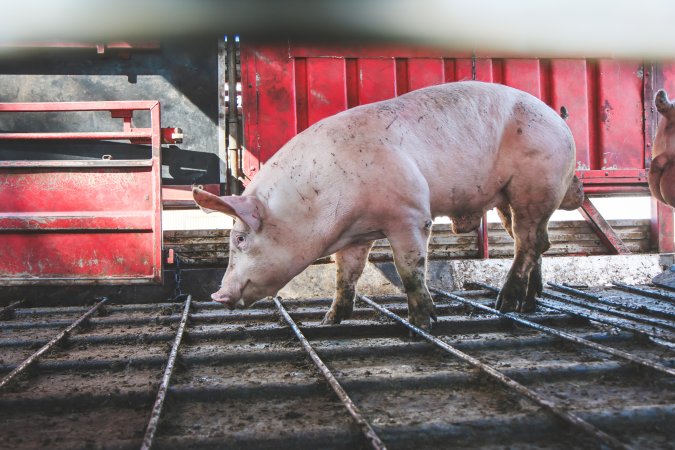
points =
(232, 116)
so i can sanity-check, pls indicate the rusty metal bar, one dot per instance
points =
(8, 311)
(561, 413)
(656, 338)
(645, 292)
(657, 323)
(48, 346)
(164, 385)
(361, 422)
(561, 334)
(638, 308)
(602, 228)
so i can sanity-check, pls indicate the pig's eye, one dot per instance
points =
(240, 241)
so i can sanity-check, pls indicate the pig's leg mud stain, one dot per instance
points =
(523, 282)
(409, 244)
(350, 262)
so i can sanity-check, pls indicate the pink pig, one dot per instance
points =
(662, 169)
(386, 170)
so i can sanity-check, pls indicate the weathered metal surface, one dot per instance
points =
(244, 382)
(561, 334)
(82, 221)
(602, 228)
(548, 404)
(60, 337)
(153, 423)
(361, 422)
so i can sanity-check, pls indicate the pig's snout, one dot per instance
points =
(227, 301)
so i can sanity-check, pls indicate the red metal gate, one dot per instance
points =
(288, 87)
(82, 221)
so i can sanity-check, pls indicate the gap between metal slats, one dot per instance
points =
(635, 315)
(166, 379)
(561, 334)
(656, 338)
(636, 308)
(48, 346)
(559, 412)
(362, 423)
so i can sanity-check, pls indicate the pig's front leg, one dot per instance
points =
(409, 244)
(350, 262)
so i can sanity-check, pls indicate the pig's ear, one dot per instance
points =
(663, 105)
(245, 207)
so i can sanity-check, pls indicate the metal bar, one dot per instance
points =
(232, 118)
(78, 220)
(657, 323)
(361, 422)
(91, 135)
(8, 311)
(48, 346)
(656, 337)
(645, 292)
(566, 416)
(164, 386)
(602, 228)
(133, 105)
(402, 350)
(83, 163)
(562, 334)
(638, 308)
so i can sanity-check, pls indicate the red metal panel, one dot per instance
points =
(424, 72)
(569, 89)
(620, 133)
(268, 92)
(377, 80)
(523, 74)
(82, 221)
(326, 88)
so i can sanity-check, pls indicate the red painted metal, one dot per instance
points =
(287, 87)
(604, 231)
(82, 221)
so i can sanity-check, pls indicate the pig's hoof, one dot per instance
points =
(337, 314)
(506, 305)
(330, 318)
(421, 320)
(528, 306)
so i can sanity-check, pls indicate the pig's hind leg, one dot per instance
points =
(350, 262)
(523, 282)
(535, 285)
(409, 243)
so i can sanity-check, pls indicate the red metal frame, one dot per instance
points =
(609, 102)
(83, 221)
